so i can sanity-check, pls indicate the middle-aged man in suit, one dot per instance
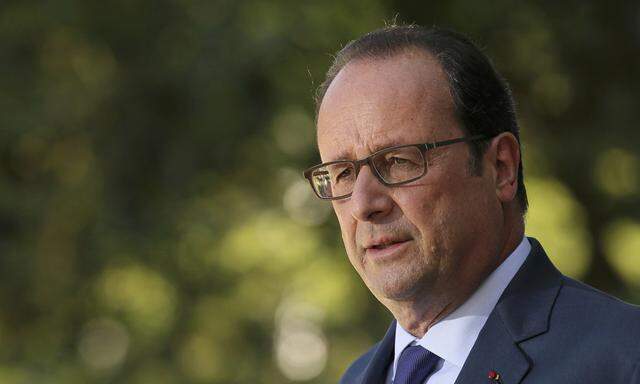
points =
(421, 159)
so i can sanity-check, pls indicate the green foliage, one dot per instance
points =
(155, 227)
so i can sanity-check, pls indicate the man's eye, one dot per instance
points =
(398, 160)
(395, 160)
(344, 174)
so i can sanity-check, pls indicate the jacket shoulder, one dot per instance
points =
(599, 318)
(354, 373)
(583, 294)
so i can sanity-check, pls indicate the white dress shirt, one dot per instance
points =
(453, 337)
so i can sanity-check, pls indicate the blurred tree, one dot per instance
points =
(154, 224)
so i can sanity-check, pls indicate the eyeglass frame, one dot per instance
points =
(357, 164)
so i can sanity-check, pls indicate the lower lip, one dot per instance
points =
(389, 252)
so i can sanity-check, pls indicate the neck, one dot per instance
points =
(418, 315)
(417, 318)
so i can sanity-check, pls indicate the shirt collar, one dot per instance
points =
(453, 337)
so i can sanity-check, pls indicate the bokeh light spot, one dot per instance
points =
(293, 131)
(301, 347)
(143, 296)
(558, 221)
(303, 206)
(103, 345)
(268, 241)
(201, 359)
(622, 249)
(617, 172)
(332, 287)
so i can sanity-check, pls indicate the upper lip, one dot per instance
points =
(383, 241)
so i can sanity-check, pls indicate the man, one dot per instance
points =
(421, 161)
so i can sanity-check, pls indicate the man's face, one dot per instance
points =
(430, 235)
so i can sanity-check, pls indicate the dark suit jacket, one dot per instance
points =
(545, 329)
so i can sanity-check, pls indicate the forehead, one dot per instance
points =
(376, 103)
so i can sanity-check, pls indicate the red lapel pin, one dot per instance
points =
(494, 376)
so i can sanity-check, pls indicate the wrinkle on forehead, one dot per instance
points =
(372, 102)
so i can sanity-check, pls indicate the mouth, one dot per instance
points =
(385, 245)
(385, 249)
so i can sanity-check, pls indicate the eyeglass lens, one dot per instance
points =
(394, 166)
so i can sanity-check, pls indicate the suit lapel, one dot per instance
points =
(522, 313)
(376, 370)
(494, 350)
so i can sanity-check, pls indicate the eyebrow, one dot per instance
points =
(344, 155)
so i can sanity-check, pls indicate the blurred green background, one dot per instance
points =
(154, 224)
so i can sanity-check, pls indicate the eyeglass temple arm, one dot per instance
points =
(453, 141)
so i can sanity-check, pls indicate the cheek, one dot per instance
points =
(419, 207)
(347, 224)
(435, 214)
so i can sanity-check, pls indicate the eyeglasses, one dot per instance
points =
(392, 166)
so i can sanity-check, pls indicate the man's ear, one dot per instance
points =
(505, 160)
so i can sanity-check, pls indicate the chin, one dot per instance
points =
(399, 287)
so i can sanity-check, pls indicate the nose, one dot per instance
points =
(370, 199)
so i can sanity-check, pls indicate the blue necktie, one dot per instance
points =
(414, 365)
